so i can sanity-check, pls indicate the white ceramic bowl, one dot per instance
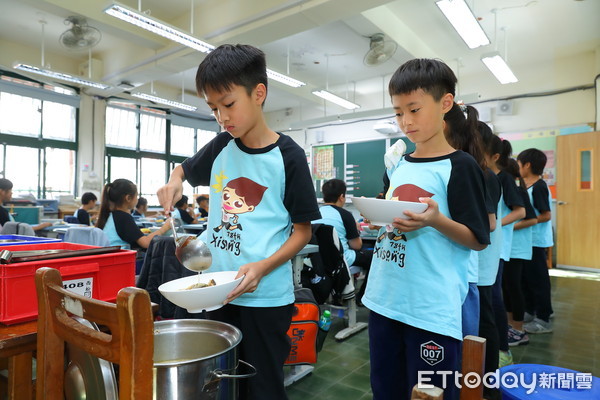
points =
(382, 212)
(207, 298)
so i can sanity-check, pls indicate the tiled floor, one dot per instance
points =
(342, 371)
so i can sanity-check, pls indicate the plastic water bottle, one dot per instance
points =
(325, 321)
(324, 325)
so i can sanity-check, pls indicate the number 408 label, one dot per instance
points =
(80, 286)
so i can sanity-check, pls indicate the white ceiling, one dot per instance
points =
(321, 42)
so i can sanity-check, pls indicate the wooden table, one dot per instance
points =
(17, 343)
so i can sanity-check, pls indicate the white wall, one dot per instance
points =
(90, 161)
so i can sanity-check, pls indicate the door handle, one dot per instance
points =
(561, 203)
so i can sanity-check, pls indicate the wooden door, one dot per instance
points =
(578, 200)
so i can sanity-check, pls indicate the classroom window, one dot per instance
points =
(153, 176)
(60, 167)
(19, 115)
(123, 168)
(38, 137)
(153, 133)
(22, 169)
(58, 121)
(121, 128)
(182, 140)
(204, 137)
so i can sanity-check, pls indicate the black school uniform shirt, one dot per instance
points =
(493, 189)
(127, 228)
(185, 216)
(4, 216)
(82, 216)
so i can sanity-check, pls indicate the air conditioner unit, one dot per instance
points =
(387, 127)
(505, 108)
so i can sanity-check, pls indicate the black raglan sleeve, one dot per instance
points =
(466, 196)
(541, 195)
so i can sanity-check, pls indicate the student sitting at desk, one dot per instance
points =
(182, 212)
(6, 195)
(334, 196)
(140, 208)
(88, 202)
(118, 198)
(202, 210)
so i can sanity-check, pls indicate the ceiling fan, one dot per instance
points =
(80, 36)
(380, 50)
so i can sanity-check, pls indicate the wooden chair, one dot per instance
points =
(473, 360)
(130, 342)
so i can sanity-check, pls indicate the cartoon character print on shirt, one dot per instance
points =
(239, 196)
(407, 192)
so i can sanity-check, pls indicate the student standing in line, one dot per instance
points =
(6, 195)
(489, 259)
(535, 276)
(202, 210)
(118, 198)
(88, 202)
(520, 254)
(512, 210)
(333, 213)
(464, 118)
(140, 208)
(418, 278)
(262, 201)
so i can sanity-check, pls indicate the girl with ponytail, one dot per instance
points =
(118, 199)
(511, 209)
(461, 131)
(521, 251)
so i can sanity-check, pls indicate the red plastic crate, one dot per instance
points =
(108, 274)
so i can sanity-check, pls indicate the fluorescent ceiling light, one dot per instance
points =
(167, 102)
(462, 19)
(170, 32)
(160, 28)
(499, 68)
(59, 75)
(336, 99)
(284, 79)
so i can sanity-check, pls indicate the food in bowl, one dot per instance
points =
(382, 212)
(206, 298)
(200, 285)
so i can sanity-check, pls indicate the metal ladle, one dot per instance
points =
(191, 252)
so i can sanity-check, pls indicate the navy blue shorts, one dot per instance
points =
(399, 351)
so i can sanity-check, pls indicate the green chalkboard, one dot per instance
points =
(365, 167)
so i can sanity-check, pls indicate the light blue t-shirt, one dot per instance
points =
(111, 232)
(521, 243)
(255, 197)
(331, 216)
(420, 277)
(541, 198)
(490, 256)
(512, 199)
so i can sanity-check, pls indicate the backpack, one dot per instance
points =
(304, 328)
(328, 272)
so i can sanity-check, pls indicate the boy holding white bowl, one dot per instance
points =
(417, 283)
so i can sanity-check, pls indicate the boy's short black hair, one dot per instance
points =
(5, 184)
(141, 202)
(88, 197)
(536, 159)
(432, 76)
(201, 198)
(333, 189)
(183, 202)
(228, 65)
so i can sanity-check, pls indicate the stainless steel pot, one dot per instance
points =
(196, 359)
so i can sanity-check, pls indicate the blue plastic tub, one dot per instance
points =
(11, 240)
(545, 382)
